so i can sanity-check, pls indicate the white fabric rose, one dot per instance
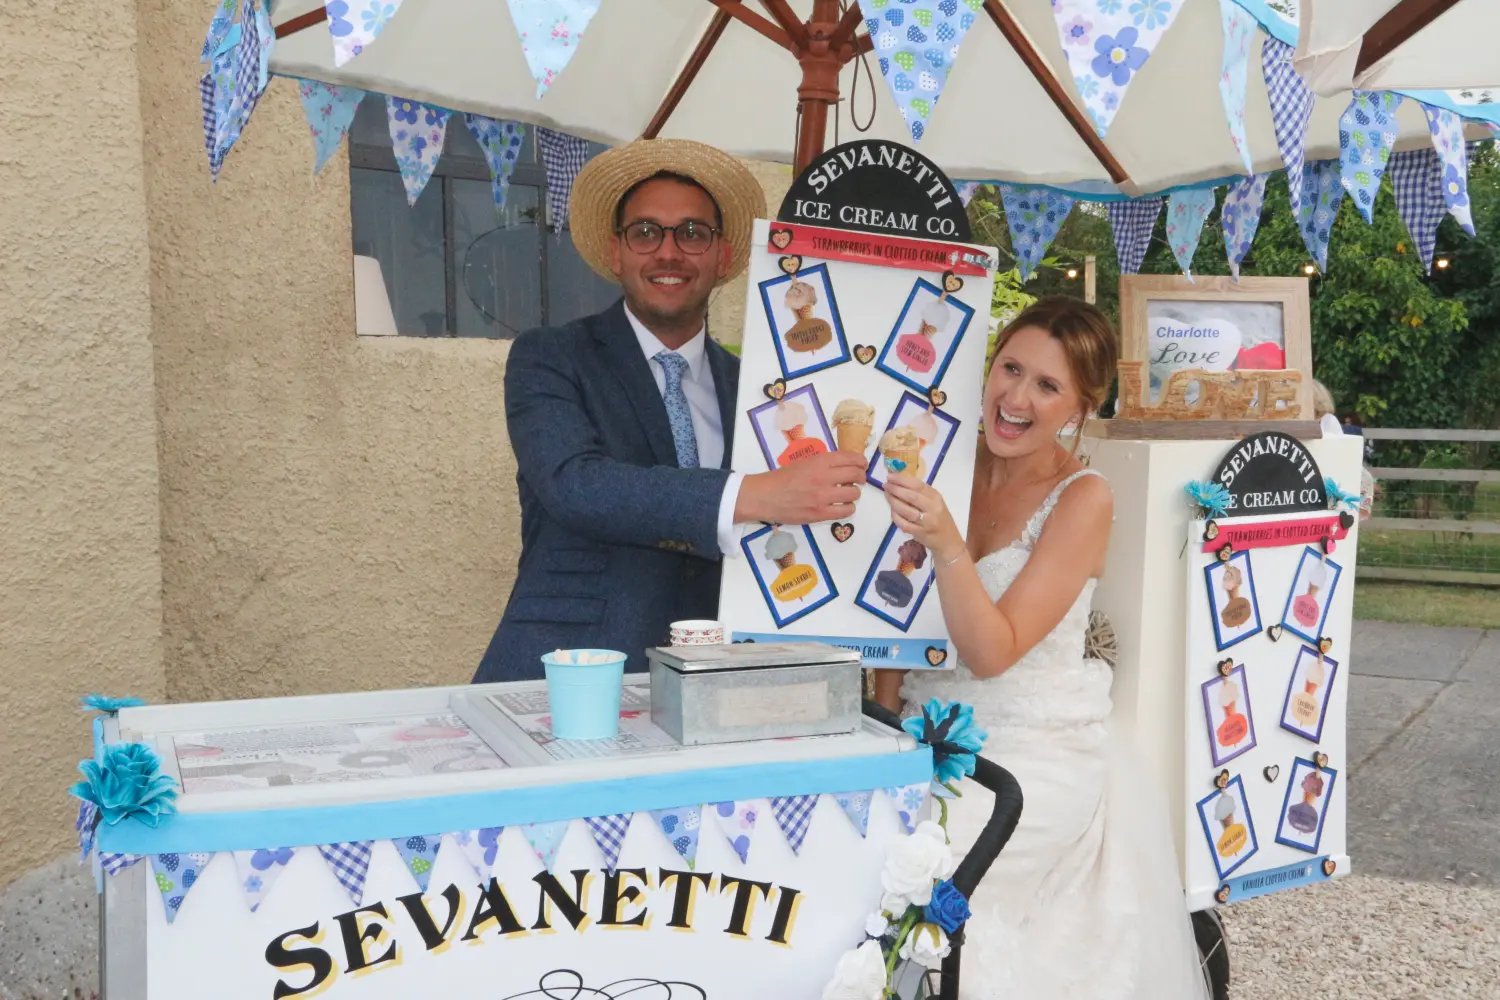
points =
(860, 975)
(876, 925)
(927, 945)
(895, 904)
(915, 862)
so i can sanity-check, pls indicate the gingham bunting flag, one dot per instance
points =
(417, 133)
(909, 800)
(550, 31)
(1367, 131)
(1133, 222)
(1106, 43)
(1186, 212)
(354, 24)
(419, 852)
(680, 826)
(609, 833)
(736, 821)
(1322, 193)
(563, 156)
(1239, 32)
(1240, 218)
(259, 870)
(794, 815)
(350, 863)
(1291, 110)
(175, 875)
(1417, 182)
(501, 144)
(545, 839)
(249, 71)
(856, 806)
(479, 848)
(917, 42)
(85, 825)
(330, 111)
(114, 864)
(1035, 215)
(1448, 139)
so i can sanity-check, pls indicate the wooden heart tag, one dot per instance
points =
(936, 657)
(864, 353)
(842, 531)
(1330, 866)
(781, 238)
(1223, 894)
(1221, 780)
(1210, 530)
(775, 390)
(937, 397)
(1273, 632)
(1325, 644)
(1321, 759)
(1272, 772)
(952, 282)
(791, 265)
(1226, 667)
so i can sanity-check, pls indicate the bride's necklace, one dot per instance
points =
(1008, 483)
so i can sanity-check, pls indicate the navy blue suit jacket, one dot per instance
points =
(617, 541)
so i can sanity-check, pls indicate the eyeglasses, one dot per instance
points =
(691, 237)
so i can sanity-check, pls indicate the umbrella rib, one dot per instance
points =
(738, 11)
(688, 75)
(1043, 74)
(1395, 27)
(301, 22)
(782, 12)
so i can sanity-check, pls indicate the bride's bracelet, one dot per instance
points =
(961, 554)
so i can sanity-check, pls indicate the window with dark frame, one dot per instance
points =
(452, 265)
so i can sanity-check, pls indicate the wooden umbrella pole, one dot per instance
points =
(821, 63)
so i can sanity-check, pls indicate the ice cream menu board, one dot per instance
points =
(872, 345)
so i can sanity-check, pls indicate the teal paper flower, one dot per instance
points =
(1212, 499)
(127, 782)
(953, 735)
(109, 706)
(1338, 498)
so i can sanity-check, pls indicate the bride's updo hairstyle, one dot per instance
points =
(1087, 338)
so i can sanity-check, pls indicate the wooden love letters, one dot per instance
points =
(1251, 394)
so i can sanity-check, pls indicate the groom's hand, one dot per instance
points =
(821, 488)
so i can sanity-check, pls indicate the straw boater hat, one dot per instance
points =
(604, 180)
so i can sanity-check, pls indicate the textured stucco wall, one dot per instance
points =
(80, 577)
(726, 317)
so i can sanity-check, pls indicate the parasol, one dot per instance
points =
(1415, 45)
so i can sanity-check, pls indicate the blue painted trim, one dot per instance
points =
(1263, 883)
(1271, 22)
(875, 652)
(1477, 112)
(242, 831)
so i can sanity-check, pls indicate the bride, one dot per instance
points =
(1085, 900)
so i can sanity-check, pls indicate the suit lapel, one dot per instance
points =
(726, 372)
(632, 370)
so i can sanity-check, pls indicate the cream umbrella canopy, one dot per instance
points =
(1414, 45)
(728, 73)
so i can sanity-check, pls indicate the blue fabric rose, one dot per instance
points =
(953, 735)
(109, 706)
(1211, 498)
(949, 908)
(126, 781)
(1338, 498)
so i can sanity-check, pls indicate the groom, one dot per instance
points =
(622, 422)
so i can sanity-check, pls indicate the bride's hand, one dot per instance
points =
(919, 510)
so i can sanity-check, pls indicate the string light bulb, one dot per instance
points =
(1072, 273)
(1442, 263)
(1309, 269)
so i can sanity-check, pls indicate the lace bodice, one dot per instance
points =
(1054, 684)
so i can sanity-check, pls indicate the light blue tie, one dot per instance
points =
(674, 366)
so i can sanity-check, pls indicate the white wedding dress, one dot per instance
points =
(1085, 902)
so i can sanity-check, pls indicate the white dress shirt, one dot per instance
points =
(703, 405)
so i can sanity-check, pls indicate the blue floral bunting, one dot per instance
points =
(545, 839)
(1240, 218)
(354, 24)
(1322, 191)
(1133, 222)
(680, 826)
(480, 848)
(1291, 110)
(550, 31)
(736, 821)
(856, 806)
(330, 111)
(259, 870)
(1448, 139)
(239, 56)
(1239, 32)
(917, 43)
(1367, 131)
(1106, 43)
(1035, 215)
(419, 853)
(175, 875)
(1186, 211)
(417, 133)
(501, 143)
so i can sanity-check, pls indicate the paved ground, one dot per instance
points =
(1420, 918)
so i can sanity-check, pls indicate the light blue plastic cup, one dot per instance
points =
(585, 697)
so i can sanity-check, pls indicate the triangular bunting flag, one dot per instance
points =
(218, 30)
(550, 31)
(1417, 182)
(114, 864)
(1291, 110)
(1321, 194)
(354, 24)
(417, 133)
(420, 852)
(248, 71)
(215, 92)
(174, 875)
(1035, 215)
(737, 822)
(545, 839)
(794, 815)
(501, 143)
(1239, 31)
(966, 190)
(1448, 139)
(1106, 44)
(1367, 131)
(917, 44)
(85, 825)
(856, 806)
(1240, 218)
(563, 156)
(1186, 211)
(330, 112)
(480, 846)
(259, 870)
(1133, 222)
(609, 834)
(908, 800)
(680, 826)
(350, 863)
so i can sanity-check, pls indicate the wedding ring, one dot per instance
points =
(921, 514)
